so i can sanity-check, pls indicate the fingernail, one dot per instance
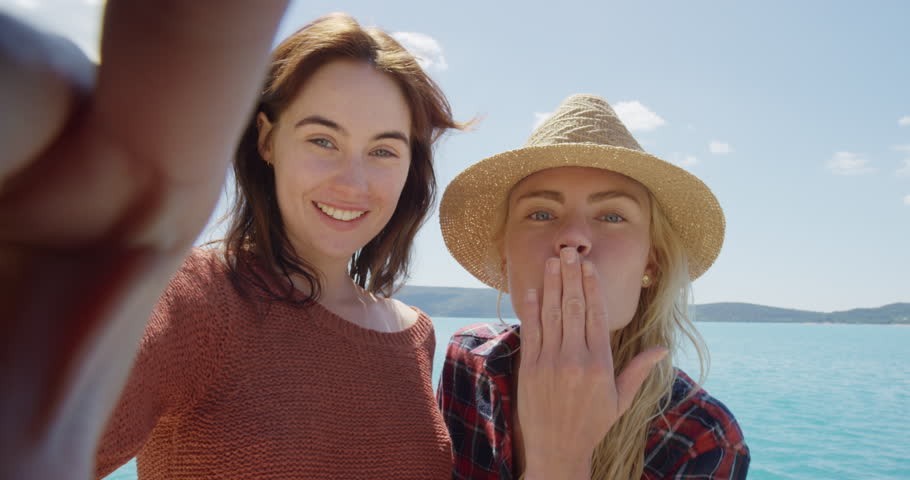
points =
(587, 268)
(532, 295)
(569, 255)
(553, 265)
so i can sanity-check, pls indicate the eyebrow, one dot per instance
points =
(545, 194)
(592, 198)
(320, 120)
(600, 196)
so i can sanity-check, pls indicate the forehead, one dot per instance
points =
(353, 91)
(584, 180)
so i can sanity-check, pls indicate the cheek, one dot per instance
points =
(301, 171)
(525, 256)
(621, 263)
(292, 178)
(389, 182)
(623, 252)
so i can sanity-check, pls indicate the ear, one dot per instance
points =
(504, 272)
(264, 145)
(501, 250)
(651, 269)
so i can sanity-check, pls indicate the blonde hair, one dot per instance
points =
(661, 319)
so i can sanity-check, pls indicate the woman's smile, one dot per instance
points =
(339, 219)
(338, 213)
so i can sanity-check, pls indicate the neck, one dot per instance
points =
(338, 288)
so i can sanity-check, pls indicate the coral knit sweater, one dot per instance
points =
(234, 387)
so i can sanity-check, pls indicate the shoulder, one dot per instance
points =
(203, 263)
(702, 413)
(483, 347)
(202, 272)
(198, 285)
(480, 338)
(411, 315)
(697, 433)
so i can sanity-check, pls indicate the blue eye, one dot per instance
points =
(323, 142)
(612, 218)
(540, 216)
(382, 152)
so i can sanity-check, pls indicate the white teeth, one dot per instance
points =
(339, 214)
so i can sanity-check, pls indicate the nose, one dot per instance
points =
(352, 175)
(575, 234)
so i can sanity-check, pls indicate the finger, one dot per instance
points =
(551, 309)
(573, 303)
(529, 314)
(597, 325)
(44, 79)
(153, 180)
(629, 381)
(187, 102)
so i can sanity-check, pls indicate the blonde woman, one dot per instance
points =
(597, 243)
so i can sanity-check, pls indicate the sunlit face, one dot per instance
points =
(341, 154)
(602, 214)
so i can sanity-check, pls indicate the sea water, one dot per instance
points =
(815, 401)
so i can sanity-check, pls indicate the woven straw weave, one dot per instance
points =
(583, 132)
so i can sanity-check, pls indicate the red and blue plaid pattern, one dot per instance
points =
(698, 438)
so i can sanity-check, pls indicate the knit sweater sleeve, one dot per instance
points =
(174, 362)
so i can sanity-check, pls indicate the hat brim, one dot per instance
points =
(474, 204)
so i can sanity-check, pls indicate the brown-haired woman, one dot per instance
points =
(281, 356)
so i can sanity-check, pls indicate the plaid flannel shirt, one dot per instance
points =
(700, 439)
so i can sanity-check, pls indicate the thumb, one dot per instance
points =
(629, 381)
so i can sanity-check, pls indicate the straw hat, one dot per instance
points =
(583, 132)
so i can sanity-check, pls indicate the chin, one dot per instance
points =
(338, 254)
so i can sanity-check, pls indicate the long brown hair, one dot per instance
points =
(256, 226)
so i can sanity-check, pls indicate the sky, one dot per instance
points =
(796, 115)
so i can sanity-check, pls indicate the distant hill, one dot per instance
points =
(456, 302)
(481, 303)
(895, 313)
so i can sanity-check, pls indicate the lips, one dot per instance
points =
(338, 213)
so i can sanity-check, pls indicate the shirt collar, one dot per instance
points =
(499, 350)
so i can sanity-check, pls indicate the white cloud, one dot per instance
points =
(904, 121)
(847, 163)
(425, 48)
(719, 147)
(905, 170)
(907, 200)
(637, 116)
(77, 20)
(539, 118)
(27, 4)
(688, 161)
(683, 159)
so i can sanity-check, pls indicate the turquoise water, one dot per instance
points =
(814, 401)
